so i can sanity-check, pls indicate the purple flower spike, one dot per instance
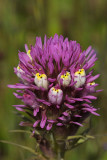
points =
(55, 84)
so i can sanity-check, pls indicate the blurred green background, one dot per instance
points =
(20, 22)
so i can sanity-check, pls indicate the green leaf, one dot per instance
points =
(82, 140)
(80, 136)
(22, 131)
(74, 141)
(21, 146)
(90, 137)
(74, 137)
(39, 156)
(85, 138)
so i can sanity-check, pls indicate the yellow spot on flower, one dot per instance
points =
(18, 67)
(65, 76)
(41, 80)
(66, 79)
(80, 72)
(39, 76)
(28, 52)
(19, 72)
(55, 95)
(92, 83)
(79, 77)
(55, 90)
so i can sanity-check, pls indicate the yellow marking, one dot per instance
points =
(43, 75)
(39, 76)
(67, 73)
(92, 83)
(55, 90)
(62, 76)
(65, 76)
(28, 52)
(80, 71)
(18, 67)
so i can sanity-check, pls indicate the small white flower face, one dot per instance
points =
(91, 84)
(19, 71)
(91, 87)
(55, 95)
(41, 80)
(66, 79)
(28, 53)
(79, 78)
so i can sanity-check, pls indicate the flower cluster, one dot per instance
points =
(55, 84)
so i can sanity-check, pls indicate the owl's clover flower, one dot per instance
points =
(56, 85)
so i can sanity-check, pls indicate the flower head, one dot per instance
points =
(55, 84)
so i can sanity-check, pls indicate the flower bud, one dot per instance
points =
(55, 95)
(41, 80)
(19, 72)
(91, 86)
(79, 78)
(64, 79)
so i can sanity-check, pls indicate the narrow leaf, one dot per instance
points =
(21, 146)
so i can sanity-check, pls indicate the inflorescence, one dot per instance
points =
(56, 85)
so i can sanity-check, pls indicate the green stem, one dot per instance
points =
(60, 155)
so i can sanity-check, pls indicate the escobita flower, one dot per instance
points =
(56, 83)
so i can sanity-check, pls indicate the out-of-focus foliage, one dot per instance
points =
(20, 22)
